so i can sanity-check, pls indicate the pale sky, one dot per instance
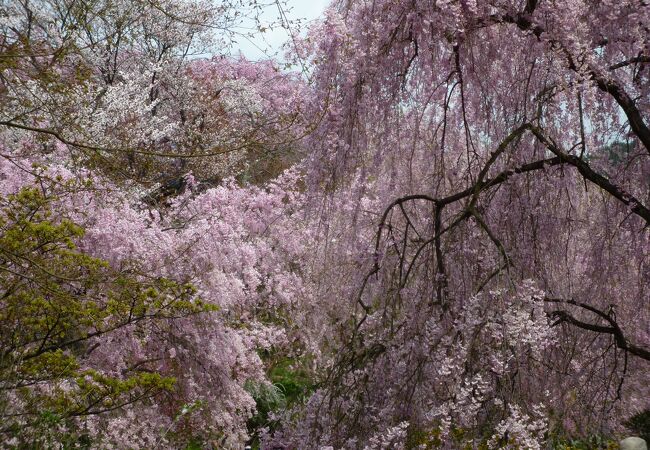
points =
(304, 10)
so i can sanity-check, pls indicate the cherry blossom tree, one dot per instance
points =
(483, 170)
(121, 312)
(139, 318)
(118, 83)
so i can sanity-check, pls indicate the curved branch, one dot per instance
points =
(588, 173)
(614, 329)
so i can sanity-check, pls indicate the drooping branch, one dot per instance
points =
(439, 203)
(588, 173)
(562, 316)
(480, 185)
(476, 188)
(627, 105)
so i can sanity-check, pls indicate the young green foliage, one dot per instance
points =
(55, 304)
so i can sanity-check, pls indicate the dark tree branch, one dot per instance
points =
(588, 173)
(636, 60)
(613, 328)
